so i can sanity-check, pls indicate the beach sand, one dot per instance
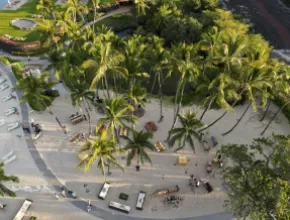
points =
(61, 158)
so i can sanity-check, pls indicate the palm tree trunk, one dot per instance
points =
(107, 87)
(238, 121)
(219, 118)
(154, 81)
(207, 108)
(272, 119)
(183, 145)
(267, 109)
(103, 88)
(58, 122)
(94, 19)
(179, 105)
(160, 97)
(115, 86)
(89, 117)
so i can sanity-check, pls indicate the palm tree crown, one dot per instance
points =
(138, 146)
(187, 130)
(100, 150)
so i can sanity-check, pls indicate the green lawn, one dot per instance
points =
(24, 12)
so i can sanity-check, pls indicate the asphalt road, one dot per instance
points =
(269, 17)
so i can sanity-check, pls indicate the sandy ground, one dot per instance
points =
(61, 158)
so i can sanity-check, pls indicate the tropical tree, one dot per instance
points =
(280, 91)
(138, 95)
(105, 61)
(117, 113)
(4, 60)
(74, 9)
(159, 57)
(101, 151)
(48, 33)
(185, 64)
(254, 82)
(142, 6)
(3, 178)
(133, 52)
(46, 7)
(80, 95)
(34, 90)
(186, 132)
(257, 177)
(137, 147)
(229, 56)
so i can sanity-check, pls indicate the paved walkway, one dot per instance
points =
(121, 10)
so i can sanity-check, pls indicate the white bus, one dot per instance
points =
(25, 206)
(104, 191)
(140, 200)
(120, 207)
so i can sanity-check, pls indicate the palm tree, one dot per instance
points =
(187, 130)
(101, 150)
(46, 7)
(137, 147)
(142, 6)
(159, 57)
(133, 51)
(48, 33)
(3, 178)
(229, 55)
(75, 9)
(79, 96)
(33, 89)
(105, 61)
(95, 6)
(116, 114)
(4, 60)
(254, 82)
(186, 65)
(138, 95)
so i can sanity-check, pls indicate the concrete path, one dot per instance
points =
(121, 10)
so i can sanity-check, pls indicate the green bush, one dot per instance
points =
(32, 218)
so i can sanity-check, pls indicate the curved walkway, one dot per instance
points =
(121, 10)
(47, 174)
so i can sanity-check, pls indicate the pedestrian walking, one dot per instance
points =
(186, 170)
(196, 163)
(163, 176)
(56, 196)
(63, 193)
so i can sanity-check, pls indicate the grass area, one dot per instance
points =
(24, 11)
(118, 22)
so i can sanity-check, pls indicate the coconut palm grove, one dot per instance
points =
(144, 109)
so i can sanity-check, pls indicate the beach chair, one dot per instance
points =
(14, 125)
(6, 98)
(1, 122)
(159, 146)
(2, 80)
(3, 87)
(10, 111)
